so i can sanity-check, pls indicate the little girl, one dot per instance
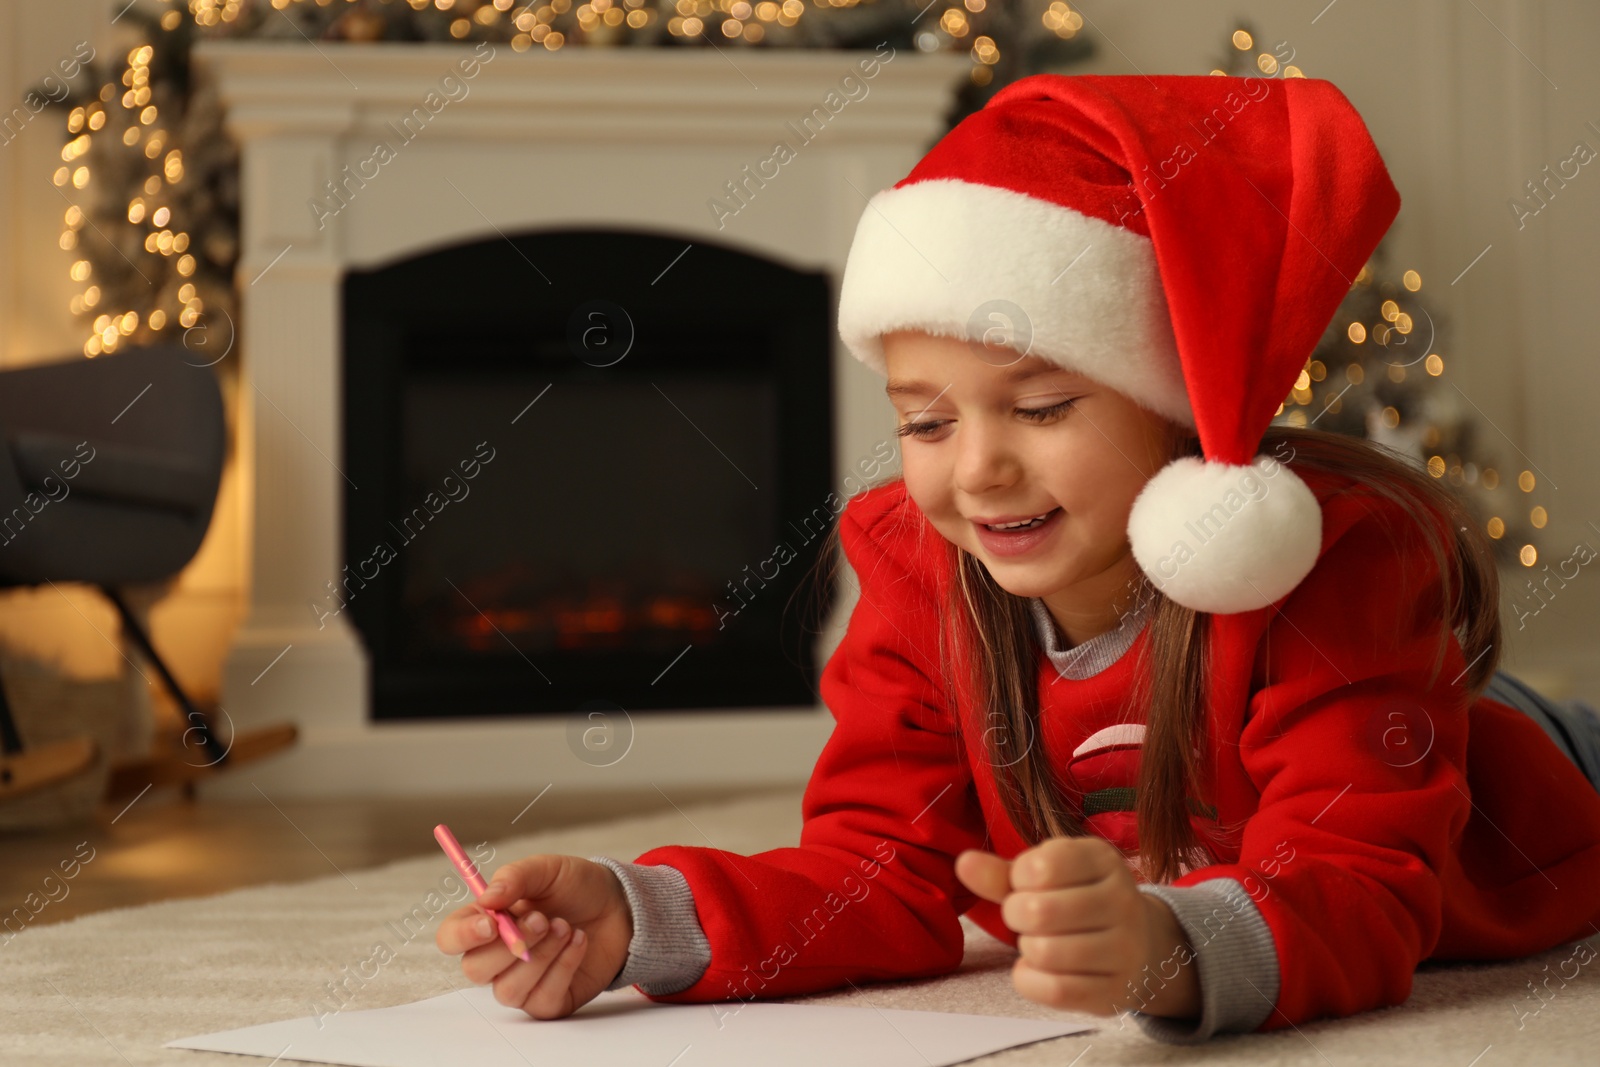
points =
(1199, 713)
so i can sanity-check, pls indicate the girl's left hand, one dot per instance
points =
(1085, 932)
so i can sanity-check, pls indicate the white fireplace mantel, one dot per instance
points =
(625, 139)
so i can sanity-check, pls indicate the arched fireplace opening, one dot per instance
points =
(585, 467)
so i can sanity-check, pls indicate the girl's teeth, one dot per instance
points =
(1018, 525)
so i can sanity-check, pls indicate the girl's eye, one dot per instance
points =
(920, 429)
(1040, 414)
(931, 426)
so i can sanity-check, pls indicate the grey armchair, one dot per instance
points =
(108, 475)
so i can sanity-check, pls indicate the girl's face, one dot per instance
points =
(988, 434)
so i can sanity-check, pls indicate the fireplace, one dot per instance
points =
(569, 457)
(588, 173)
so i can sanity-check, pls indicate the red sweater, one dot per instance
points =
(1466, 835)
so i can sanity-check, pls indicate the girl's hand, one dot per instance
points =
(576, 921)
(1085, 932)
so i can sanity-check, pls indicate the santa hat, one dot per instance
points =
(1183, 239)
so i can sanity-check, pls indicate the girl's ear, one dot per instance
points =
(1184, 440)
(1176, 440)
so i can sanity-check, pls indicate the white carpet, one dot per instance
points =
(112, 987)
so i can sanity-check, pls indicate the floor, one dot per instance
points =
(165, 847)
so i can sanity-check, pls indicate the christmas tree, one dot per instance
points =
(153, 193)
(1378, 373)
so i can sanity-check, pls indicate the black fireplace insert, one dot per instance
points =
(585, 468)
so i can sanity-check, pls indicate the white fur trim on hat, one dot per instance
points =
(1224, 538)
(930, 255)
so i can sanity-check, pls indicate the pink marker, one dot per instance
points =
(474, 880)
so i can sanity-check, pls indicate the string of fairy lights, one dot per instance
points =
(140, 134)
(1377, 322)
(603, 22)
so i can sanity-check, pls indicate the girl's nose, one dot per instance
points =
(985, 459)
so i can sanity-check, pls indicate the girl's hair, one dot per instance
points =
(987, 637)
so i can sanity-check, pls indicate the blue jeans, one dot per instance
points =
(1573, 726)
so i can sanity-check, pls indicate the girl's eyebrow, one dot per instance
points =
(901, 387)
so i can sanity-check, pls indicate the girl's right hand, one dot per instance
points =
(575, 918)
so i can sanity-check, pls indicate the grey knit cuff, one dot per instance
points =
(669, 951)
(1236, 956)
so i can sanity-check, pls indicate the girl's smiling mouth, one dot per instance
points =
(1025, 533)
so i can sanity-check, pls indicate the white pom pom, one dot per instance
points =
(1224, 538)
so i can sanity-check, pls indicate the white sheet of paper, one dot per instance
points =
(468, 1028)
